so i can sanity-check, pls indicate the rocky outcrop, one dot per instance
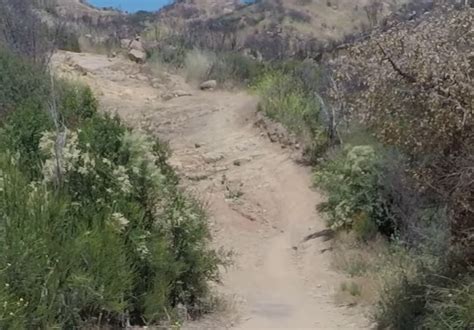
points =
(135, 48)
(137, 56)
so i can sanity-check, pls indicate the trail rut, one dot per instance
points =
(260, 201)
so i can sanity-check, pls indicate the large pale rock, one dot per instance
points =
(210, 84)
(137, 56)
(137, 45)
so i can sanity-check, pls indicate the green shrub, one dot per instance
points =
(93, 226)
(76, 103)
(352, 181)
(21, 134)
(285, 101)
(288, 94)
(22, 83)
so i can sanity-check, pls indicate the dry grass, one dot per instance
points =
(360, 261)
(327, 22)
(197, 65)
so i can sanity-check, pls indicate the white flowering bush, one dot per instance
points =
(60, 159)
(93, 227)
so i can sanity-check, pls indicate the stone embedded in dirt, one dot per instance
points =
(180, 93)
(208, 85)
(198, 177)
(220, 169)
(141, 77)
(137, 56)
(157, 83)
(167, 97)
(242, 161)
(81, 69)
(213, 158)
(197, 145)
(137, 45)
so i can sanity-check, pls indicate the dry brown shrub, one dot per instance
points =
(413, 85)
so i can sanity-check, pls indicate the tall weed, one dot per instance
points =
(197, 65)
(289, 94)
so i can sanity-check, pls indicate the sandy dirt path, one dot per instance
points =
(260, 201)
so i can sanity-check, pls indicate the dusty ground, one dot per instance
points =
(260, 201)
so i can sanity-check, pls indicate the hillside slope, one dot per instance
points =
(275, 28)
(199, 8)
(79, 9)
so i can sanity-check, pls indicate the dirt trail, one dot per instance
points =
(260, 201)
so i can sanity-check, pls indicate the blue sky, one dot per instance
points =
(131, 5)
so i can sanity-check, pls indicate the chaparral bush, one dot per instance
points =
(93, 227)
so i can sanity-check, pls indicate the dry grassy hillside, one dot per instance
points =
(87, 28)
(274, 28)
(79, 9)
(323, 19)
(199, 8)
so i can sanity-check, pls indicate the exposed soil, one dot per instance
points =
(259, 199)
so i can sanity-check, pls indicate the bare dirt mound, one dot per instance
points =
(260, 201)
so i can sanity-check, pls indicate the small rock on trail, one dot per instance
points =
(208, 85)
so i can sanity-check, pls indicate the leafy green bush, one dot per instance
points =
(26, 95)
(93, 226)
(352, 181)
(76, 103)
(22, 83)
(21, 136)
